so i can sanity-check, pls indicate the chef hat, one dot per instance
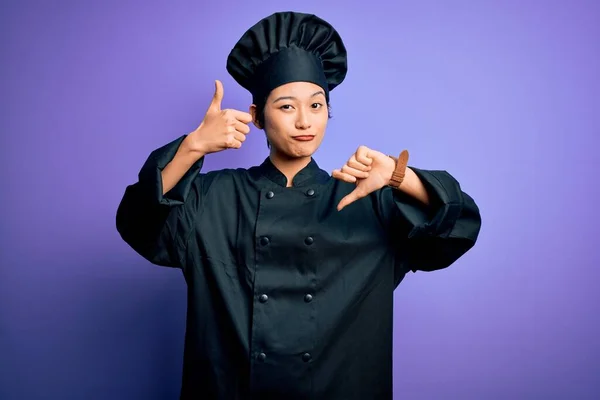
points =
(288, 47)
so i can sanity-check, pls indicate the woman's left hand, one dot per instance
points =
(369, 169)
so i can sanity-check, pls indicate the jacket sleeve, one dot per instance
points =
(429, 238)
(157, 226)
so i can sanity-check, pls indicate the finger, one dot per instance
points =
(358, 165)
(233, 143)
(240, 137)
(349, 199)
(241, 116)
(215, 104)
(362, 155)
(338, 174)
(354, 172)
(242, 128)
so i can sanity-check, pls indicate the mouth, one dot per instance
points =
(303, 138)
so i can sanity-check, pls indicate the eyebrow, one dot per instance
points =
(293, 98)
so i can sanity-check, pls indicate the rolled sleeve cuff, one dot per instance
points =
(440, 216)
(151, 179)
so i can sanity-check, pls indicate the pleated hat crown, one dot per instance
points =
(288, 47)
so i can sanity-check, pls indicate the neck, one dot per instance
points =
(289, 166)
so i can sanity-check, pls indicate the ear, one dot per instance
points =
(252, 112)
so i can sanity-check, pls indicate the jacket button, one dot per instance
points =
(263, 298)
(308, 298)
(306, 357)
(262, 357)
(309, 240)
(270, 194)
(310, 192)
(264, 240)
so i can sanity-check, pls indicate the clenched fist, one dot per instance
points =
(220, 129)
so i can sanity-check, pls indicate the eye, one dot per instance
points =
(317, 105)
(285, 107)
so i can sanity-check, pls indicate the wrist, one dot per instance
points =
(195, 143)
(191, 150)
(392, 162)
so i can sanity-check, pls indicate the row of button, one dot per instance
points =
(306, 357)
(264, 241)
(263, 298)
(270, 194)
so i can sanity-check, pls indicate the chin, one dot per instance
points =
(302, 152)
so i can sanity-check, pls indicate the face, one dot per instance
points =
(296, 116)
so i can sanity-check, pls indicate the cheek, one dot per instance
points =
(279, 123)
(321, 121)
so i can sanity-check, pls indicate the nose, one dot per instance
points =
(302, 122)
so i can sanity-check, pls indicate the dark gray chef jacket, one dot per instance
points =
(289, 298)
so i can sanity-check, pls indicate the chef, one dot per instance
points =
(290, 270)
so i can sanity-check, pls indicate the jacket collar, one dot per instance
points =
(309, 175)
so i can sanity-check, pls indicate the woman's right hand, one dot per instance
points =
(220, 129)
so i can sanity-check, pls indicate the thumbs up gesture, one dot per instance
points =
(220, 129)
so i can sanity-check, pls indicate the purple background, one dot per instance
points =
(504, 95)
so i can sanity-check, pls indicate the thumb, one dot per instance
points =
(349, 199)
(215, 104)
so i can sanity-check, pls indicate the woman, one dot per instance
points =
(290, 271)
